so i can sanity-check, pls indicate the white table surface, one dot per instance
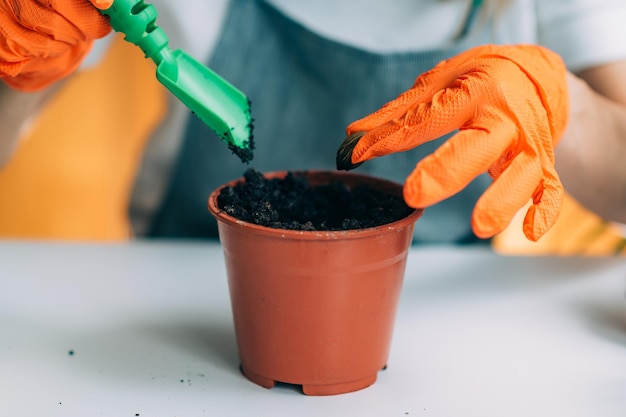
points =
(149, 326)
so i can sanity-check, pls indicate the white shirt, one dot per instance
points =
(583, 32)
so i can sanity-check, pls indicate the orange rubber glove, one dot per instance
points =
(43, 41)
(510, 105)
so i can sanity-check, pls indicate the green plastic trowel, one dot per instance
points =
(220, 105)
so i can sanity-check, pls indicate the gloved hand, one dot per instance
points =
(510, 105)
(42, 41)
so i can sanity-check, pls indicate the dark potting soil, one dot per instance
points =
(293, 203)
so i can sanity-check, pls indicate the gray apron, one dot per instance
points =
(305, 89)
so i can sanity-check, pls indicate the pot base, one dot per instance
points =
(315, 390)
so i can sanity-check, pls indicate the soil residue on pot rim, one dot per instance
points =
(293, 203)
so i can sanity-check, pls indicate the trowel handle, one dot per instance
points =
(136, 20)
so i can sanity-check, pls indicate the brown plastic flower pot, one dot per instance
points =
(315, 308)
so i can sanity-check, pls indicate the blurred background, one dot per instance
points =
(64, 185)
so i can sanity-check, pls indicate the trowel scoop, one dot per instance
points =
(220, 105)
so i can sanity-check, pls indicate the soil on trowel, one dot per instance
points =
(293, 203)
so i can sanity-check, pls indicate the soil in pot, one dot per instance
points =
(293, 203)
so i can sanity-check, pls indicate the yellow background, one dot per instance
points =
(70, 177)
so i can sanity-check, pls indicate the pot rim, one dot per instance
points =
(226, 218)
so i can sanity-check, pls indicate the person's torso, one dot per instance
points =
(404, 25)
(305, 88)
